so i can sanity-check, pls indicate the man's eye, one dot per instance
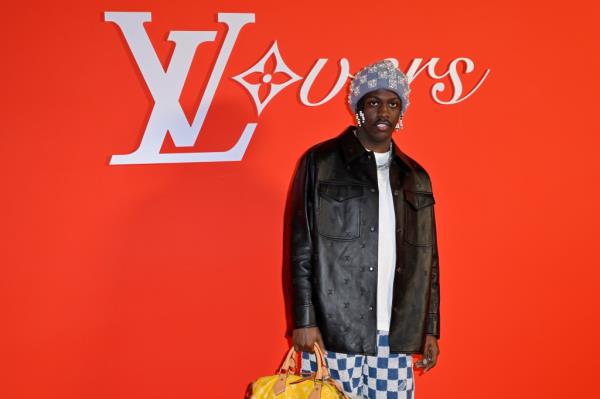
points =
(373, 102)
(393, 105)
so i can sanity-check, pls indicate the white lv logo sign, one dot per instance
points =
(166, 87)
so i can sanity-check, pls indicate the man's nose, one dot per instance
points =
(383, 111)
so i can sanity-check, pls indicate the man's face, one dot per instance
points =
(382, 111)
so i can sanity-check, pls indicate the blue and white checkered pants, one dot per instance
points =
(384, 376)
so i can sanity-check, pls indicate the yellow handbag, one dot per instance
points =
(287, 384)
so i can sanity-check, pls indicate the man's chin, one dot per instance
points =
(380, 135)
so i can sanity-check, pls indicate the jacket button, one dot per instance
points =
(371, 308)
(362, 316)
(369, 156)
(396, 192)
(372, 228)
(398, 230)
(371, 268)
(362, 245)
(346, 281)
(346, 304)
(372, 190)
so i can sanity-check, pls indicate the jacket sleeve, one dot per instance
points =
(433, 315)
(301, 243)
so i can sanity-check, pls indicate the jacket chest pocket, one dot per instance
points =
(418, 218)
(339, 210)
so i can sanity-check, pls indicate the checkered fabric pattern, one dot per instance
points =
(384, 376)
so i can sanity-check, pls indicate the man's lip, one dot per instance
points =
(383, 125)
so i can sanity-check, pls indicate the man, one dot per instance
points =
(363, 250)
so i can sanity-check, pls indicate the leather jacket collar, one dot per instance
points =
(353, 149)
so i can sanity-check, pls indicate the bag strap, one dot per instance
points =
(288, 363)
(325, 373)
(320, 376)
(322, 369)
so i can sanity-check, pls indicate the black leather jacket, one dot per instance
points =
(333, 248)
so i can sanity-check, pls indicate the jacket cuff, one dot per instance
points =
(304, 316)
(433, 325)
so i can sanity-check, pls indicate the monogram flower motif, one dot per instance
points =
(266, 78)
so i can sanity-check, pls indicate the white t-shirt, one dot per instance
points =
(386, 251)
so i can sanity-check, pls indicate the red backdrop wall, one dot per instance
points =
(164, 280)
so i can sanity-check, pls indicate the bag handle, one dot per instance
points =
(322, 370)
(289, 363)
(322, 375)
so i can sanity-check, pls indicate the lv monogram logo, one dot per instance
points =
(166, 87)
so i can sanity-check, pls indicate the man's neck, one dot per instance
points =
(373, 146)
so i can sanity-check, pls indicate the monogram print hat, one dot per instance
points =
(381, 75)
